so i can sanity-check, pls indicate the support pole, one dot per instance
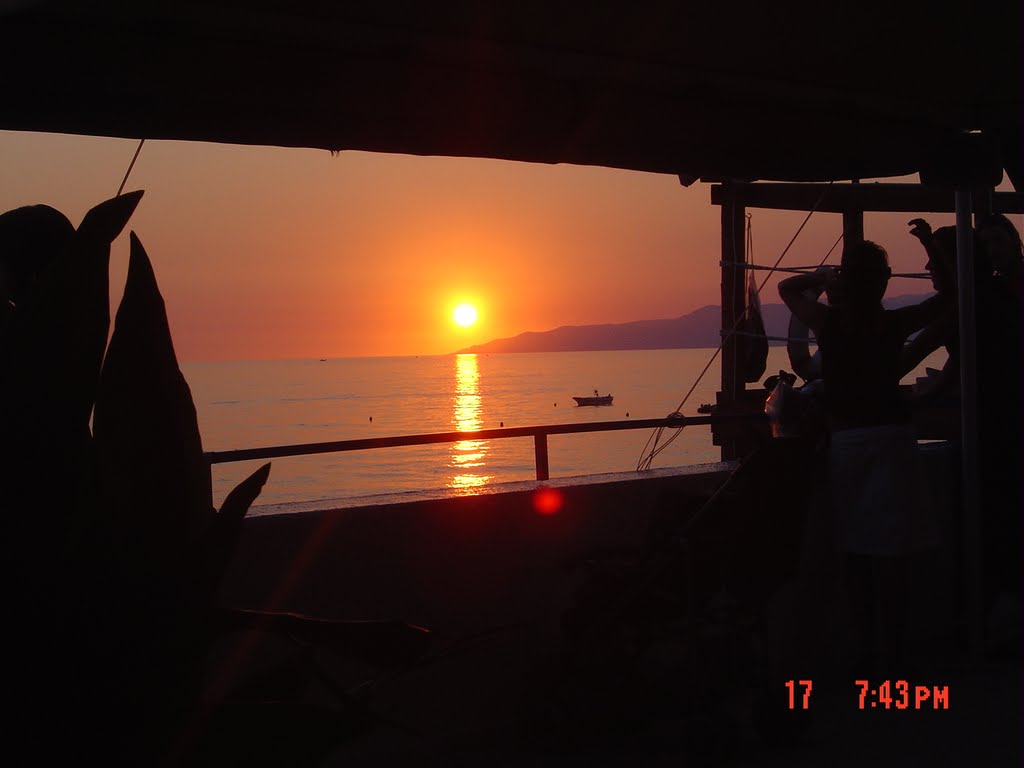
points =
(853, 224)
(853, 227)
(733, 284)
(969, 445)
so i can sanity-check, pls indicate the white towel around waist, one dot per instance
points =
(879, 491)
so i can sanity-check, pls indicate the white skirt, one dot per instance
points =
(880, 492)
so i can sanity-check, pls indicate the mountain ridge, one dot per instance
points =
(697, 329)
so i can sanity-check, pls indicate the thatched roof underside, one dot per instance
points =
(700, 89)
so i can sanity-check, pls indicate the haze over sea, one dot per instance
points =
(251, 404)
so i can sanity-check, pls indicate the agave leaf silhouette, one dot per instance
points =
(68, 332)
(150, 450)
(52, 338)
(171, 546)
(86, 290)
(32, 240)
(56, 343)
(228, 524)
(114, 544)
(145, 422)
(130, 565)
(123, 554)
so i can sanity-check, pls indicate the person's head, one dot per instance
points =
(942, 260)
(1002, 243)
(941, 264)
(864, 273)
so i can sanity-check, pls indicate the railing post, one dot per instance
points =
(540, 450)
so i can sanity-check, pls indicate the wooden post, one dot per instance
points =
(540, 452)
(853, 227)
(733, 285)
(853, 224)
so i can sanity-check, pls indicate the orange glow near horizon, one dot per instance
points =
(268, 252)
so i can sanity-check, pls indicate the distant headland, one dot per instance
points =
(698, 329)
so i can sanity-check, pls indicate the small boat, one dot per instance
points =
(596, 399)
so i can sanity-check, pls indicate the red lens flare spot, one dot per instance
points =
(547, 501)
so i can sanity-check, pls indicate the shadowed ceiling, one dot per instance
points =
(699, 89)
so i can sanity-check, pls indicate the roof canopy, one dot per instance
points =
(700, 89)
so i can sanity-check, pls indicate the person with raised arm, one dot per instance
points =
(876, 475)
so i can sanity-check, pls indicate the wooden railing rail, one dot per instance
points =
(539, 434)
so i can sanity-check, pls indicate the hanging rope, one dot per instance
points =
(652, 447)
(131, 165)
(747, 334)
(804, 270)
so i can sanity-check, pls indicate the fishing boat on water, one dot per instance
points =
(595, 399)
(487, 573)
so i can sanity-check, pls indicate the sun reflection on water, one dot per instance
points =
(467, 456)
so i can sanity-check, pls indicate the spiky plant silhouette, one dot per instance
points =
(114, 552)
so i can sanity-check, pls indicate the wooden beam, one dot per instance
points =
(842, 198)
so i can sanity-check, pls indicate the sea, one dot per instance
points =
(250, 404)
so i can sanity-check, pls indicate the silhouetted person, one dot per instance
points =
(943, 330)
(1002, 244)
(1001, 360)
(875, 471)
(998, 345)
(997, 304)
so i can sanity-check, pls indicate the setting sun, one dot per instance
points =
(465, 315)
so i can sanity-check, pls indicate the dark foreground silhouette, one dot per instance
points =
(118, 646)
(114, 552)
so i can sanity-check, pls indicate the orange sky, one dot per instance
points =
(271, 253)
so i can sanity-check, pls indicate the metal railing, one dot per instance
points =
(539, 433)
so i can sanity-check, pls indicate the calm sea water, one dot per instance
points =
(265, 403)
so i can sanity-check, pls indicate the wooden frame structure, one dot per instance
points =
(851, 201)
